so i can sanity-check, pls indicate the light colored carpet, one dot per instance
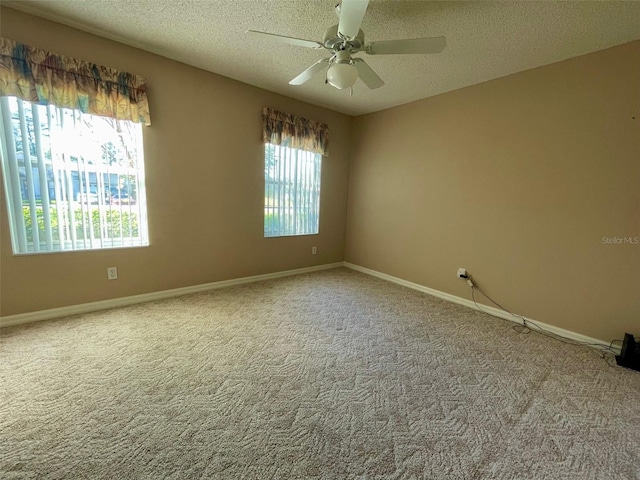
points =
(327, 375)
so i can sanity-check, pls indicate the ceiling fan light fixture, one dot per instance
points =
(342, 75)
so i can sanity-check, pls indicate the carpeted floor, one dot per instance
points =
(327, 375)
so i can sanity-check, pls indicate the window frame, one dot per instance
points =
(95, 221)
(308, 192)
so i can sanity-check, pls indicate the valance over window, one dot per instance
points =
(294, 132)
(38, 76)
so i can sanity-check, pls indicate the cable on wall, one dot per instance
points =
(528, 326)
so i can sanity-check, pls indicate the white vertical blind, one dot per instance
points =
(292, 191)
(73, 181)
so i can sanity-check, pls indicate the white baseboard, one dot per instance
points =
(568, 334)
(29, 317)
(22, 318)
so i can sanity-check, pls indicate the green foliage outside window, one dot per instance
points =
(117, 223)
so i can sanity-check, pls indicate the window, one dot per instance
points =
(292, 191)
(73, 181)
(293, 152)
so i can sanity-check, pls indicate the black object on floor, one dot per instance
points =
(630, 354)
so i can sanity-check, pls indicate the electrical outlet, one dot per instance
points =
(112, 273)
(462, 273)
(314, 250)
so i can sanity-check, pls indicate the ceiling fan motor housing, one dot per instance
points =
(333, 41)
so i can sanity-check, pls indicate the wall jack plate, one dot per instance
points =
(462, 273)
(112, 273)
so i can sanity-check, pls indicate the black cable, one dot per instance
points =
(473, 296)
(524, 328)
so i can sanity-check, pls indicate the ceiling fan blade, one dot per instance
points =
(283, 39)
(415, 45)
(309, 72)
(351, 15)
(366, 74)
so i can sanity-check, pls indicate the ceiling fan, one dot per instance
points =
(346, 39)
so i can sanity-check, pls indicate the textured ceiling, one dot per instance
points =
(485, 40)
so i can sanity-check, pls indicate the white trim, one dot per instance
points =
(29, 317)
(22, 318)
(578, 337)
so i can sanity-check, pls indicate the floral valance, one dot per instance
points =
(45, 78)
(292, 131)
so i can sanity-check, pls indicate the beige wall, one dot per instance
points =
(517, 180)
(204, 170)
